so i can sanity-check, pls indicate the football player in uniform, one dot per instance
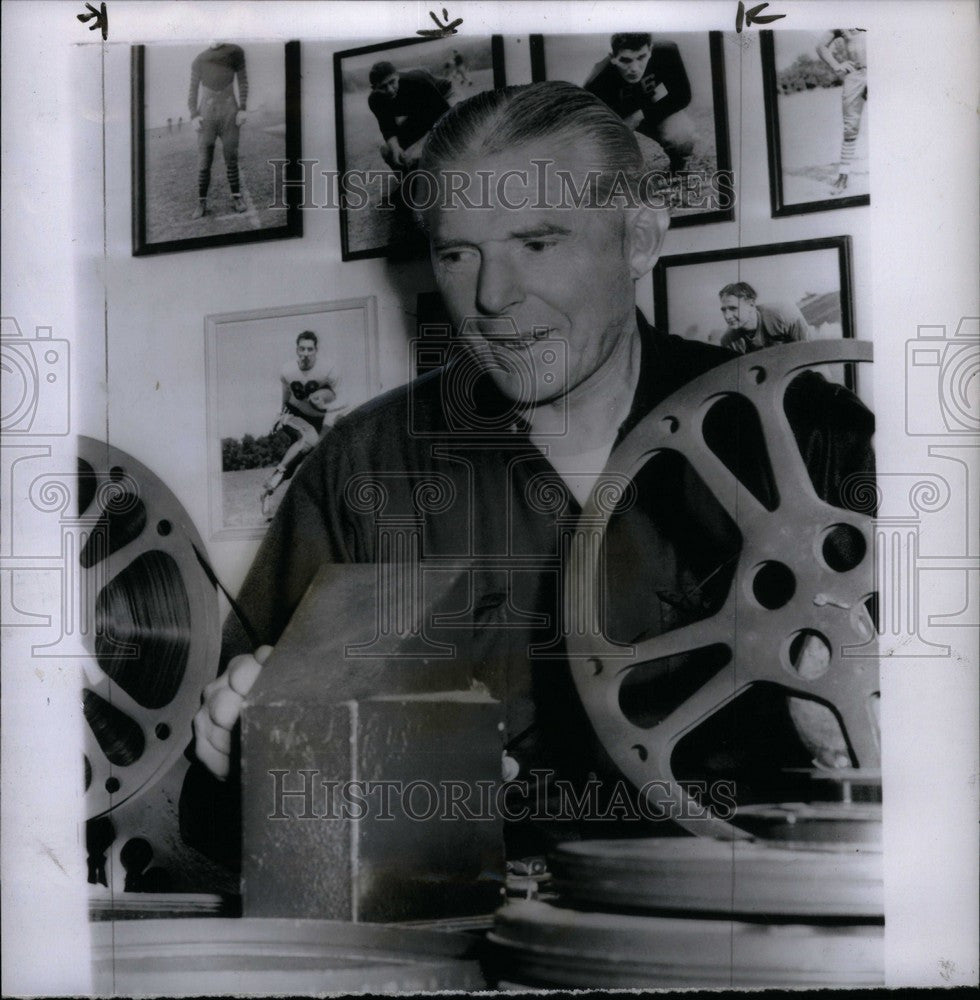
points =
(308, 390)
(646, 84)
(217, 114)
(852, 69)
(753, 325)
(406, 105)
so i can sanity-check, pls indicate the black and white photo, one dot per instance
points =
(670, 90)
(387, 98)
(752, 298)
(278, 379)
(531, 548)
(815, 85)
(216, 134)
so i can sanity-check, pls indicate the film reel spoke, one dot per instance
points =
(792, 479)
(118, 561)
(715, 693)
(115, 696)
(716, 630)
(101, 770)
(738, 502)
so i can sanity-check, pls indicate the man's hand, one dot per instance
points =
(845, 66)
(222, 706)
(196, 122)
(397, 153)
(241, 117)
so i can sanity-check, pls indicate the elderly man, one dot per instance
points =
(753, 326)
(556, 367)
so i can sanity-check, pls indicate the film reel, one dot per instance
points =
(537, 944)
(797, 597)
(707, 876)
(156, 635)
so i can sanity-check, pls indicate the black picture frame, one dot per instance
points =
(813, 308)
(378, 242)
(719, 101)
(285, 142)
(780, 206)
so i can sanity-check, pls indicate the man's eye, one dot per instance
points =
(537, 246)
(450, 258)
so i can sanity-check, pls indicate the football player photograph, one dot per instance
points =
(309, 390)
(646, 84)
(850, 65)
(815, 94)
(670, 89)
(218, 113)
(387, 98)
(753, 326)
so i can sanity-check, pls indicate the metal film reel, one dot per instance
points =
(703, 876)
(536, 944)
(786, 587)
(156, 636)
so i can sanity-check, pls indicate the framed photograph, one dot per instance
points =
(751, 298)
(216, 131)
(815, 86)
(277, 379)
(670, 89)
(388, 97)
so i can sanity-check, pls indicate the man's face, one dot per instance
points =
(530, 279)
(739, 314)
(388, 86)
(305, 354)
(631, 62)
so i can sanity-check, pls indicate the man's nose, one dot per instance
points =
(498, 286)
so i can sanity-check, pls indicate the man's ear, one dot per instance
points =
(646, 228)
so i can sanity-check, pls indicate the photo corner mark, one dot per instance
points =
(99, 19)
(443, 29)
(746, 18)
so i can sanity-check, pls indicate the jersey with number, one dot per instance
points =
(302, 384)
(663, 90)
